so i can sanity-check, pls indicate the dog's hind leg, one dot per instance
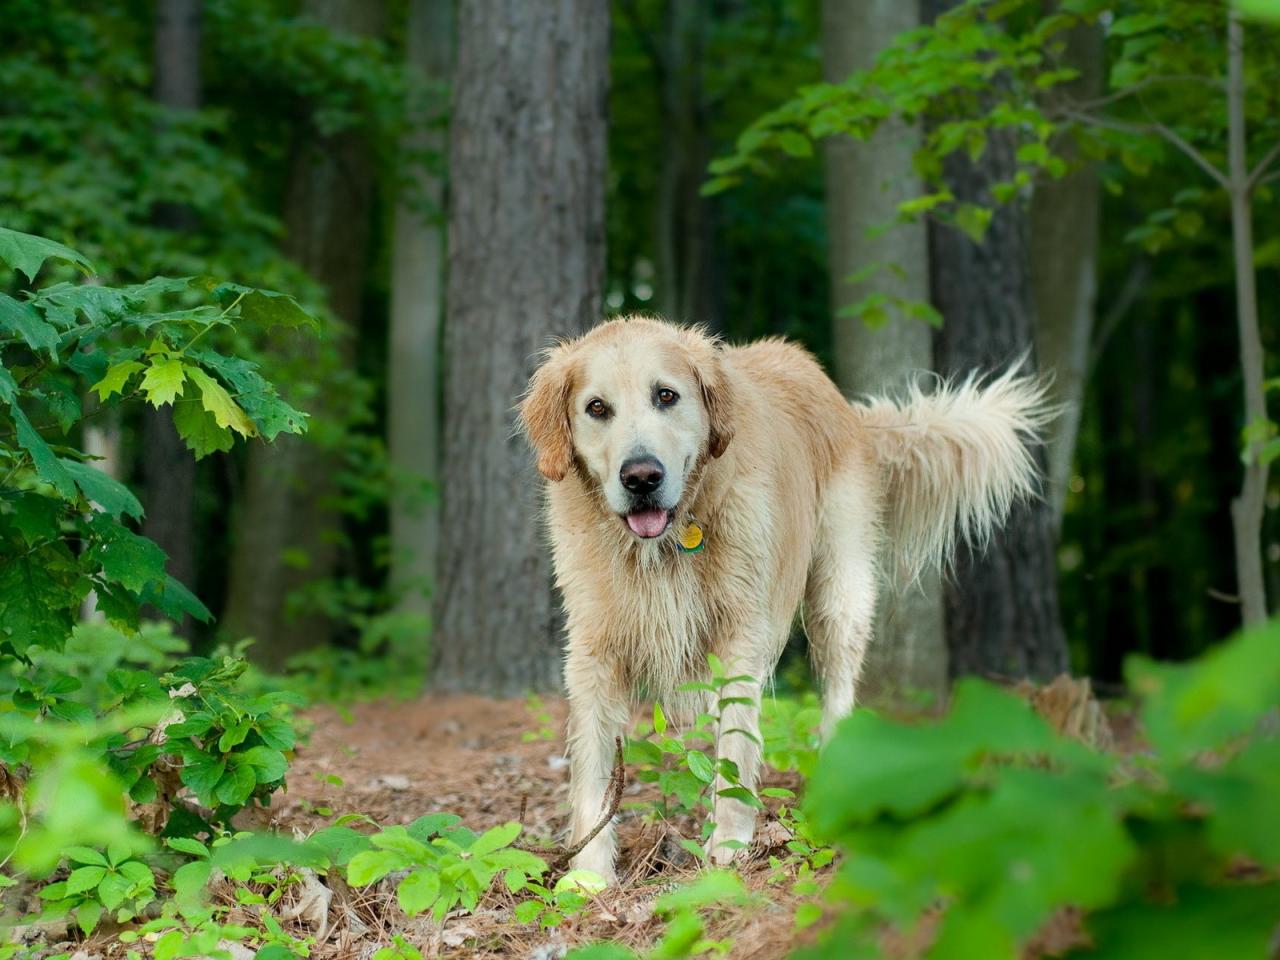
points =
(599, 708)
(840, 597)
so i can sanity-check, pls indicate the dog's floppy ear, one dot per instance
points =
(717, 393)
(544, 412)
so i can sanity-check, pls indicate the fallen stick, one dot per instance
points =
(612, 800)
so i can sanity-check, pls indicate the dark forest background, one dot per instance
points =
(315, 147)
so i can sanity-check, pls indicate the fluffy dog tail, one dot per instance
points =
(953, 462)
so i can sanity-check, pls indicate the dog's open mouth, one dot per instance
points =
(648, 523)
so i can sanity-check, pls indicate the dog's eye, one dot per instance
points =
(666, 397)
(596, 408)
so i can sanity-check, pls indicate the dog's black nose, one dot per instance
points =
(642, 474)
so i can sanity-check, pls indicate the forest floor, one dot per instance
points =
(493, 761)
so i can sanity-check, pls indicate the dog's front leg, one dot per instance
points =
(599, 708)
(738, 740)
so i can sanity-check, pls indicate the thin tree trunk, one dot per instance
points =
(865, 183)
(417, 276)
(168, 469)
(1002, 602)
(526, 262)
(1248, 509)
(1065, 235)
(287, 527)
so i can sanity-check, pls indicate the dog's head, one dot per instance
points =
(637, 405)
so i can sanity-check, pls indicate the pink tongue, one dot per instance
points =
(647, 523)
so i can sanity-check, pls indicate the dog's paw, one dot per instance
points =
(730, 843)
(598, 861)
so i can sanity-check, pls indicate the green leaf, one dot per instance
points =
(418, 891)
(137, 873)
(743, 795)
(189, 882)
(236, 785)
(270, 764)
(35, 516)
(700, 765)
(1137, 23)
(36, 607)
(794, 144)
(198, 428)
(495, 839)
(21, 318)
(48, 467)
(1204, 923)
(1192, 707)
(713, 887)
(258, 397)
(527, 911)
(876, 765)
(187, 845)
(85, 855)
(338, 844)
(85, 878)
(601, 951)
(112, 890)
(234, 735)
(269, 308)
(659, 719)
(369, 866)
(27, 253)
(163, 380)
(87, 916)
(125, 558)
(111, 496)
(201, 773)
(114, 380)
(176, 601)
(215, 399)
(974, 220)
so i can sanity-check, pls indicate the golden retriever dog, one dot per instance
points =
(654, 436)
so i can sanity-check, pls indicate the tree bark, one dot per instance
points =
(1065, 234)
(526, 261)
(865, 184)
(168, 469)
(287, 527)
(417, 277)
(1247, 510)
(1002, 603)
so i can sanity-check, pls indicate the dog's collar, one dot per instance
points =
(691, 538)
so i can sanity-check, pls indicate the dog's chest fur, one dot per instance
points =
(642, 609)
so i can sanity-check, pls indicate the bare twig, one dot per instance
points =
(1172, 136)
(612, 800)
(1256, 176)
(1199, 158)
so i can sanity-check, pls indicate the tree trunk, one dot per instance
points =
(1065, 234)
(168, 469)
(526, 262)
(685, 277)
(865, 183)
(1247, 510)
(417, 276)
(1002, 602)
(286, 529)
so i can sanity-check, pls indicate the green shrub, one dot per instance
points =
(997, 821)
(92, 711)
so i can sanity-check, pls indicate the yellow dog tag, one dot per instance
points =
(691, 538)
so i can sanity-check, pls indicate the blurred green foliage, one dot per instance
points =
(995, 822)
